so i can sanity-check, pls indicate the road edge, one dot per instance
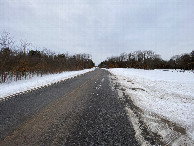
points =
(11, 96)
(150, 128)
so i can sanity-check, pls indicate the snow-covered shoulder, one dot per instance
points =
(7, 89)
(167, 93)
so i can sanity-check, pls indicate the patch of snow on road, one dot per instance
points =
(169, 94)
(24, 85)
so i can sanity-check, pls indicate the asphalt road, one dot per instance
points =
(79, 111)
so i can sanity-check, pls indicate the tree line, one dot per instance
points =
(22, 61)
(149, 60)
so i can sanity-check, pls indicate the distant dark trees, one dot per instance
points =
(149, 60)
(22, 62)
(185, 61)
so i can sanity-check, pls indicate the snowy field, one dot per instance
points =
(167, 93)
(7, 89)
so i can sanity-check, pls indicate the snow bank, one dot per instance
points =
(168, 93)
(7, 89)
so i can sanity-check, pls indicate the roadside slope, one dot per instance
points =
(8, 90)
(165, 99)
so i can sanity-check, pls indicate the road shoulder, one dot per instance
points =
(150, 128)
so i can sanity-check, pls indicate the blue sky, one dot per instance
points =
(102, 28)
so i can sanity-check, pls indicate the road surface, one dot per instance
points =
(81, 111)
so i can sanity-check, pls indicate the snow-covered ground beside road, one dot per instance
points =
(167, 93)
(7, 89)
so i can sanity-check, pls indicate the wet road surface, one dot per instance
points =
(79, 111)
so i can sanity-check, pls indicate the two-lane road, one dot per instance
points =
(79, 111)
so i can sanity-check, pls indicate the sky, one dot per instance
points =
(102, 28)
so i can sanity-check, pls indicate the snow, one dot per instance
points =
(167, 93)
(7, 89)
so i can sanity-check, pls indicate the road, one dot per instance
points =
(81, 111)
